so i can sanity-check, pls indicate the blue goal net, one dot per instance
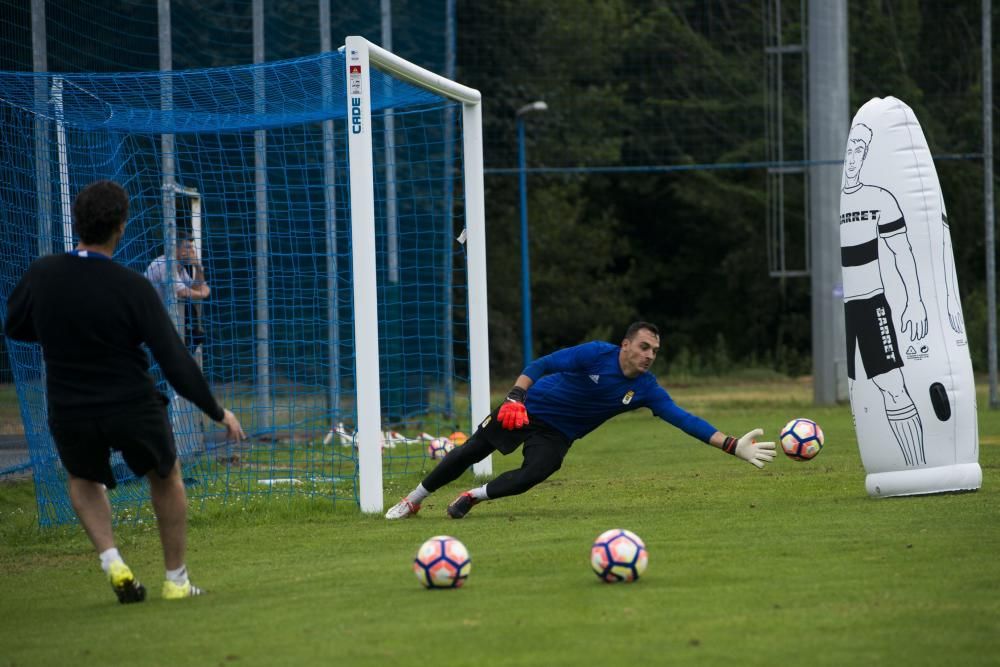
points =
(249, 165)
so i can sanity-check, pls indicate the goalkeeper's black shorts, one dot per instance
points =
(536, 431)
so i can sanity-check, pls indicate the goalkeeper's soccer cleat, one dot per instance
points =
(403, 509)
(460, 506)
(125, 585)
(172, 591)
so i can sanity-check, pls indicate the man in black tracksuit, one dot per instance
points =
(91, 317)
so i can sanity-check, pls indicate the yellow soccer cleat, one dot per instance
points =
(125, 585)
(172, 591)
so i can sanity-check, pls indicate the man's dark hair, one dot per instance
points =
(98, 211)
(636, 327)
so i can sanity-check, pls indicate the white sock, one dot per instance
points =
(108, 557)
(178, 576)
(479, 493)
(417, 495)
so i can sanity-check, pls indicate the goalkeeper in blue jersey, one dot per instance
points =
(560, 398)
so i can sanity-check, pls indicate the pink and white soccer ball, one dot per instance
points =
(801, 439)
(442, 562)
(438, 448)
(618, 555)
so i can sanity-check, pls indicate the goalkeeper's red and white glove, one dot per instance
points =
(753, 452)
(512, 414)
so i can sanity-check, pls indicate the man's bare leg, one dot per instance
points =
(90, 501)
(170, 505)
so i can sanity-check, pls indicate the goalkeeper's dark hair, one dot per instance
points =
(636, 327)
(98, 210)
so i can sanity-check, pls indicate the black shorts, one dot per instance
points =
(142, 434)
(868, 323)
(536, 432)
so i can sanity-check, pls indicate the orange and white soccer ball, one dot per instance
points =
(618, 555)
(438, 448)
(442, 562)
(801, 439)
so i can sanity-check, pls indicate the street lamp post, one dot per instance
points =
(538, 105)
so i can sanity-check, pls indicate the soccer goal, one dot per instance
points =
(336, 205)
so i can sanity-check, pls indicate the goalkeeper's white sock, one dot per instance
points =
(108, 557)
(479, 493)
(178, 576)
(417, 495)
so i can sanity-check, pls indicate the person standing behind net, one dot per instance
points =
(91, 317)
(189, 284)
(572, 392)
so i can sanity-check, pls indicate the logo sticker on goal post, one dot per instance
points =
(356, 88)
(355, 80)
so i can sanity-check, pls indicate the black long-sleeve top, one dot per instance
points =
(91, 316)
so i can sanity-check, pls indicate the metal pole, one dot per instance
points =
(988, 204)
(167, 165)
(330, 218)
(537, 105)
(448, 238)
(62, 152)
(829, 118)
(43, 175)
(262, 314)
(197, 236)
(389, 138)
(183, 415)
(525, 264)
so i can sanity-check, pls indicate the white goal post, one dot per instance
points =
(360, 55)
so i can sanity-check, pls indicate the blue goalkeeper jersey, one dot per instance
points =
(579, 388)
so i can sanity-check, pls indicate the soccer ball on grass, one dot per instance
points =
(618, 555)
(442, 562)
(438, 448)
(801, 439)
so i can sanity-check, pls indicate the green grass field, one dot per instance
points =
(791, 565)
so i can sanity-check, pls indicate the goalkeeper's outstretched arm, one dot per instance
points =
(755, 453)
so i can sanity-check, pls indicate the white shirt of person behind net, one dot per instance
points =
(156, 273)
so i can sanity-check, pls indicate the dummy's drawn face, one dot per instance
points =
(857, 149)
(858, 142)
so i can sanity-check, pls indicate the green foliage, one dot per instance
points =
(974, 311)
(793, 564)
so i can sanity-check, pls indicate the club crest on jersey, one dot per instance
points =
(627, 398)
(486, 421)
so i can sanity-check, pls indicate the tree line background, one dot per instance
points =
(634, 82)
(631, 84)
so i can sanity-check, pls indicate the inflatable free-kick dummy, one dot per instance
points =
(912, 390)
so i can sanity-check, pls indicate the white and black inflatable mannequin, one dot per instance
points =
(910, 374)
